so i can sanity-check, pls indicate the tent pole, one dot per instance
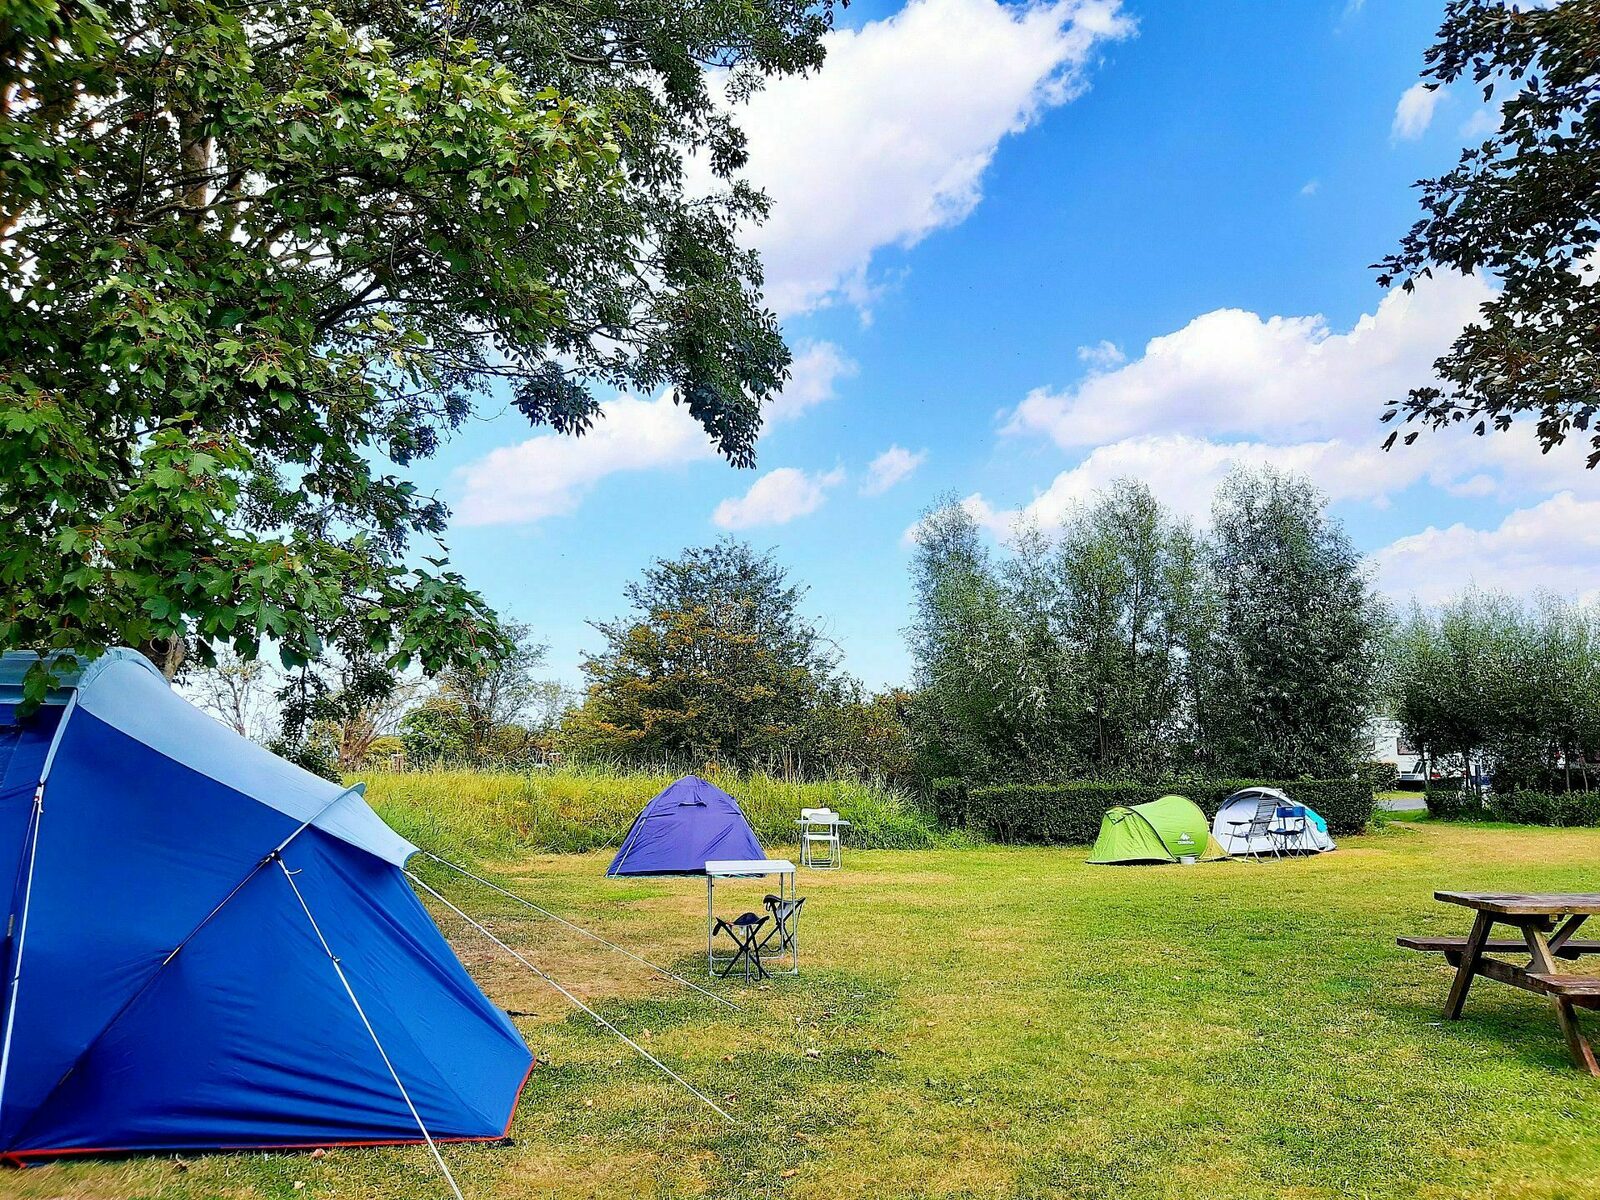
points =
(36, 818)
(599, 1020)
(510, 895)
(438, 1158)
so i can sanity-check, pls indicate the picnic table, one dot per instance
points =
(1546, 925)
(745, 868)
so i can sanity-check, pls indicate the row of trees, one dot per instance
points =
(1130, 644)
(1493, 684)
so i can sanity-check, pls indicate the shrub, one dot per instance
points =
(1520, 807)
(1070, 813)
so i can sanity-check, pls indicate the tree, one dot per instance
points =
(495, 694)
(1067, 657)
(1522, 205)
(1286, 678)
(714, 664)
(237, 691)
(257, 258)
(334, 710)
(1511, 687)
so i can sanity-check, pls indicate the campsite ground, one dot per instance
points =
(1012, 1023)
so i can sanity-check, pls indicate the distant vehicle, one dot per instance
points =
(1389, 745)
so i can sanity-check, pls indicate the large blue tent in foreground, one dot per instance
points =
(208, 946)
(685, 825)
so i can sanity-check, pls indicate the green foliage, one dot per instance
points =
(716, 665)
(1520, 206)
(1513, 687)
(1286, 675)
(1518, 807)
(1130, 646)
(488, 815)
(257, 258)
(1069, 813)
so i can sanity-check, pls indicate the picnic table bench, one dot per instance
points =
(1546, 924)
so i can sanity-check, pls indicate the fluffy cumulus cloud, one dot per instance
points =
(1550, 546)
(1414, 113)
(890, 140)
(813, 378)
(1235, 373)
(549, 474)
(894, 465)
(777, 498)
(1234, 388)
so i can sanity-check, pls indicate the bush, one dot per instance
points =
(1069, 814)
(1520, 807)
(947, 802)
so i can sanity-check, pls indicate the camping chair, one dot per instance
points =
(743, 929)
(1256, 830)
(785, 928)
(821, 846)
(1291, 828)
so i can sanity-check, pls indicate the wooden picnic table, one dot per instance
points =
(1546, 924)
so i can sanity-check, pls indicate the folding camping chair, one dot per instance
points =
(785, 929)
(1291, 828)
(821, 842)
(1256, 830)
(744, 930)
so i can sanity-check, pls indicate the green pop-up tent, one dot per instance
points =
(1159, 831)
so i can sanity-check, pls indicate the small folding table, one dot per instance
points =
(744, 868)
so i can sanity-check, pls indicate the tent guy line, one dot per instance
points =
(510, 895)
(333, 958)
(598, 1019)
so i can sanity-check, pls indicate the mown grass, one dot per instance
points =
(481, 815)
(1011, 1023)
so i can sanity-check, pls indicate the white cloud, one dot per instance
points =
(890, 140)
(777, 498)
(813, 378)
(1414, 113)
(1483, 122)
(1310, 187)
(893, 466)
(1233, 373)
(1102, 356)
(1233, 388)
(1552, 546)
(549, 474)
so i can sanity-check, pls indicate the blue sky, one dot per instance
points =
(1035, 247)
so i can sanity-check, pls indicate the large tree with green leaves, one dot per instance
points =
(1522, 206)
(1286, 672)
(258, 257)
(715, 663)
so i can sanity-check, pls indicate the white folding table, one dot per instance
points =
(745, 868)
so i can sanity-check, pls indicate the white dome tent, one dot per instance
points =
(1235, 834)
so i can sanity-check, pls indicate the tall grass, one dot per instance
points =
(501, 814)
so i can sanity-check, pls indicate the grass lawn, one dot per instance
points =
(1013, 1023)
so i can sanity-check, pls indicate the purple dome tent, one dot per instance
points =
(686, 824)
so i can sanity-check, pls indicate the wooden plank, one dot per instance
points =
(1563, 936)
(1571, 948)
(1553, 904)
(1494, 968)
(1471, 958)
(1578, 988)
(1577, 1045)
(1540, 959)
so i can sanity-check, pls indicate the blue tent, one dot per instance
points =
(177, 897)
(688, 823)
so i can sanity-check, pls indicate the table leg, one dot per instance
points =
(1540, 959)
(1470, 955)
(1577, 1045)
(711, 961)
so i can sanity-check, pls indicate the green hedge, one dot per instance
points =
(1518, 807)
(1069, 814)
